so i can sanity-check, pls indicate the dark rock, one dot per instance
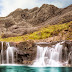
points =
(4, 46)
(27, 51)
(70, 58)
(0, 46)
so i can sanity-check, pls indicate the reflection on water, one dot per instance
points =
(34, 69)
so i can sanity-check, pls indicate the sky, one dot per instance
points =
(7, 6)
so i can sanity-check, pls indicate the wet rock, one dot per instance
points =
(0, 46)
(67, 47)
(70, 58)
(3, 45)
(27, 51)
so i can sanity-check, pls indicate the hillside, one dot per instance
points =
(46, 34)
(34, 23)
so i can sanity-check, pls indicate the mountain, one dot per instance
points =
(26, 21)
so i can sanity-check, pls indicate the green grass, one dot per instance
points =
(49, 31)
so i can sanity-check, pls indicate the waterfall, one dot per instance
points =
(49, 56)
(7, 56)
(2, 57)
(10, 53)
(55, 54)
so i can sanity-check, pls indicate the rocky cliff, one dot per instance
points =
(26, 52)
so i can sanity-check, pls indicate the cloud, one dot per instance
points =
(61, 3)
(58, 3)
(11, 5)
(7, 6)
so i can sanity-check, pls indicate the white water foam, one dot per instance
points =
(47, 56)
(10, 53)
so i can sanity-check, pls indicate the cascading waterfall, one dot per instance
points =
(56, 55)
(9, 54)
(49, 56)
(52, 55)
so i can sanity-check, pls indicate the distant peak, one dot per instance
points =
(70, 5)
(47, 5)
(18, 9)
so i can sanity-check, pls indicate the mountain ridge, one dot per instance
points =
(25, 21)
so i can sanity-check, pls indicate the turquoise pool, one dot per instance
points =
(34, 69)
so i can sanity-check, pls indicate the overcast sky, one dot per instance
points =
(7, 6)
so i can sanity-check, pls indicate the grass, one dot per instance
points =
(43, 33)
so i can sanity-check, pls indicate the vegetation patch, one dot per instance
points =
(43, 33)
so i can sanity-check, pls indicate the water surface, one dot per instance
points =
(34, 69)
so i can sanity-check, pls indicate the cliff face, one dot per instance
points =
(21, 22)
(26, 52)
